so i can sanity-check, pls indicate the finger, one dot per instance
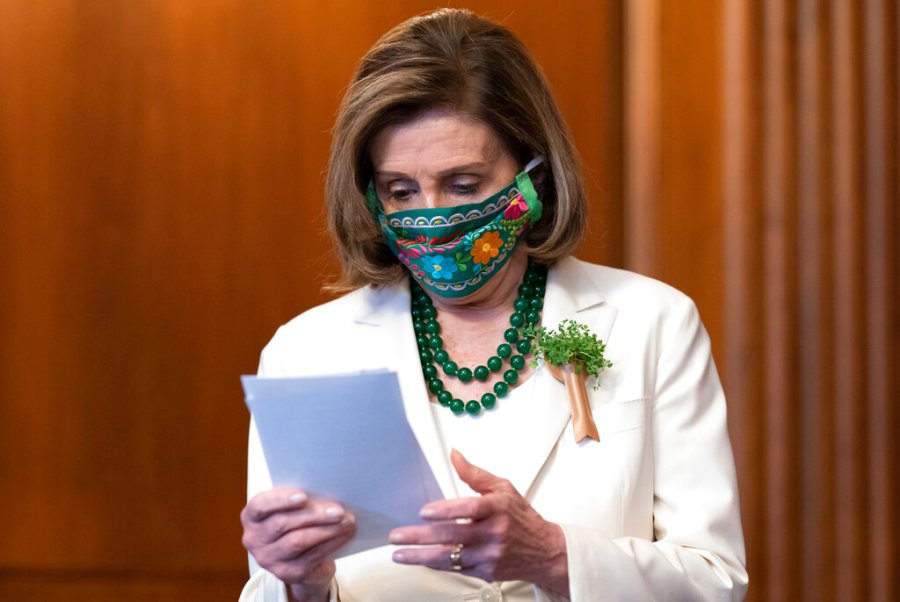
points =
(315, 563)
(264, 504)
(313, 513)
(474, 508)
(438, 557)
(297, 543)
(305, 578)
(437, 533)
(321, 552)
(480, 480)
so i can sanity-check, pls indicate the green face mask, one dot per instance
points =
(453, 251)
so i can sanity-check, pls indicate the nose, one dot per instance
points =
(432, 199)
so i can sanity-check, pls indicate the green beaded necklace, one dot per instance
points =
(526, 310)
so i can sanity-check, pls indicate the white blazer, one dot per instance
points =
(650, 512)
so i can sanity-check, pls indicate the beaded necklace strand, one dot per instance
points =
(526, 311)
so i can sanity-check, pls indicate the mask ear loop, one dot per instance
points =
(527, 189)
(534, 163)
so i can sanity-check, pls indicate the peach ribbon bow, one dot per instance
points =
(580, 408)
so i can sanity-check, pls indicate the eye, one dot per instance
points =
(463, 184)
(463, 189)
(400, 193)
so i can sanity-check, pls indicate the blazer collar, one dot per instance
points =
(571, 294)
(387, 308)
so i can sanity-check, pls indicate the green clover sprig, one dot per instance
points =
(573, 343)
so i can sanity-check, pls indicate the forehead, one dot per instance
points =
(435, 139)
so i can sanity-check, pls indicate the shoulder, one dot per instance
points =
(331, 330)
(628, 291)
(336, 311)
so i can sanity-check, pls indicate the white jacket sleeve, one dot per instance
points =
(698, 551)
(263, 586)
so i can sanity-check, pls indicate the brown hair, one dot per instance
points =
(456, 60)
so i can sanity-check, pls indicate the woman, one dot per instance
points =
(455, 200)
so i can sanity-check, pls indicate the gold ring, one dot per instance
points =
(455, 558)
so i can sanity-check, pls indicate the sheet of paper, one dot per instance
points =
(345, 438)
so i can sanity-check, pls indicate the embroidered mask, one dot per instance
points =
(453, 251)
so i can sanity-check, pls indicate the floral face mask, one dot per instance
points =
(453, 251)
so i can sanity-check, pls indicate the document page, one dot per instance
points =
(346, 438)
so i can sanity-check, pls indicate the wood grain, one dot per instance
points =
(160, 194)
(160, 215)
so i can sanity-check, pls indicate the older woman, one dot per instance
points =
(455, 200)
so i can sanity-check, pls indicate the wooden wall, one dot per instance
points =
(160, 184)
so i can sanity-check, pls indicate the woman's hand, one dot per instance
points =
(293, 538)
(503, 538)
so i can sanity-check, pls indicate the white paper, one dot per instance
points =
(345, 438)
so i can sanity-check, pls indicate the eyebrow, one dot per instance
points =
(441, 174)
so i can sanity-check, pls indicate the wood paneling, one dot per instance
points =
(160, 215)
(160, 184)
(811, 187)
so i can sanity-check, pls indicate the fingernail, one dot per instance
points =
(427, 512)
(399, 557)
(297, 498)
(397, 538)
(334, 511)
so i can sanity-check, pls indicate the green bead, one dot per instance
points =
(504, 350)
(517, 362)
(500, 388)
(441, 356)
(444, 397)
(422, 340)
(511, 335)
(531, 277)
(435, 385)
(457, 406)
(473, 407)
(481, 373)
(488, 400)
(510, 376)
(523, 347)
(419, 326)
(533, 316)
(432, 327)
(430, 371)
(425, 355)
(521, 304)
(539, 290)
(517, 319)
(526, 290)
(429, 312)
(464, 374)
(449, 367)
(436, 342)
(494, 363)
(536, 303)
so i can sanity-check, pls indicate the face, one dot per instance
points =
(439, 159)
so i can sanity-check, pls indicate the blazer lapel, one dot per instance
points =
(388, 309)
(570, 295)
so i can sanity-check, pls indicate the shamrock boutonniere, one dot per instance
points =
(572, 355)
